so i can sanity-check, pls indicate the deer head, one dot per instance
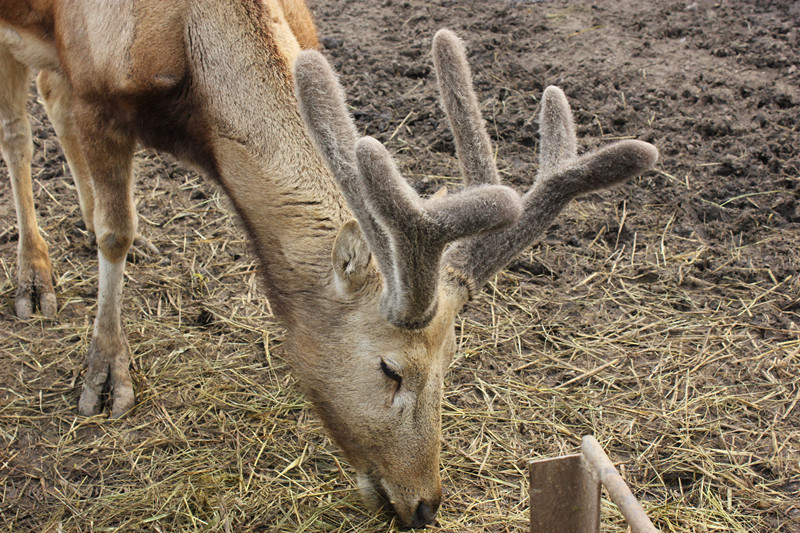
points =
(405, 266)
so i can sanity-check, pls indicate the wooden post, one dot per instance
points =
(565, 496)
(565, 493)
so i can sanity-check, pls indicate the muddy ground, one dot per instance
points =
(662, 316)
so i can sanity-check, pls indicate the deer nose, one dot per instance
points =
(425, 514)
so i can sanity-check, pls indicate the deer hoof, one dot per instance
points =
(89, 404)
(107, 377)
(124, 400)
(36, 287)
(94, 381)
(23, 307)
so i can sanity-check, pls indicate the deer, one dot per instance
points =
(366, 276)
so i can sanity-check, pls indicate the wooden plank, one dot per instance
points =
(564, 496)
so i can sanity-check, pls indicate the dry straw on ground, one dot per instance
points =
(697, 406)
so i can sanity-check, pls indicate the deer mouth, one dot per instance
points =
(375, 493)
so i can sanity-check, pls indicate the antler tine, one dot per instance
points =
(562, 176)
(562, 173)
(461, 106)
(558, 144)
(322, 105)
(420, 230)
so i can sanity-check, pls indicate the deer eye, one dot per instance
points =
(391, 373)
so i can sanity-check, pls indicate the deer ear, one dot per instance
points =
(351, 256)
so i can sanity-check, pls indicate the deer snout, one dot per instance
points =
(425, 514)
(417, 513)
(410, 511)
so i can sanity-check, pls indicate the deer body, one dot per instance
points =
(369, 304)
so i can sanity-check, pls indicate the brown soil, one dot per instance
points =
(662, 317)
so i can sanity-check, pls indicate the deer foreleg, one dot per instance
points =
(34, 271)
(109, 151)
(57, 96)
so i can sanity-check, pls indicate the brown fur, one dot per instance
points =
(211, 82)
(157, 50)
(299, 19)
(34, 16)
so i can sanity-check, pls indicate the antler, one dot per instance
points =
(562, 174)
(406, 234)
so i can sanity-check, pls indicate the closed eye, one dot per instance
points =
(391, 373)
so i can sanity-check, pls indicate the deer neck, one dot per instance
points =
(288, 201)
(291, 215)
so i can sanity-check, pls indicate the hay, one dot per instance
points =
(697, 404)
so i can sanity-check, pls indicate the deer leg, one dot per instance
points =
(34, 270)
(108, 147)
(57, 96)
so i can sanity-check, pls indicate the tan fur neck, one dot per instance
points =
(287, 199)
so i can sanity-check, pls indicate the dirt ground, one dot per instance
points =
(662, 316)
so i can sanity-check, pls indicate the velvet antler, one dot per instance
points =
(562, 174)
(406, 234)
